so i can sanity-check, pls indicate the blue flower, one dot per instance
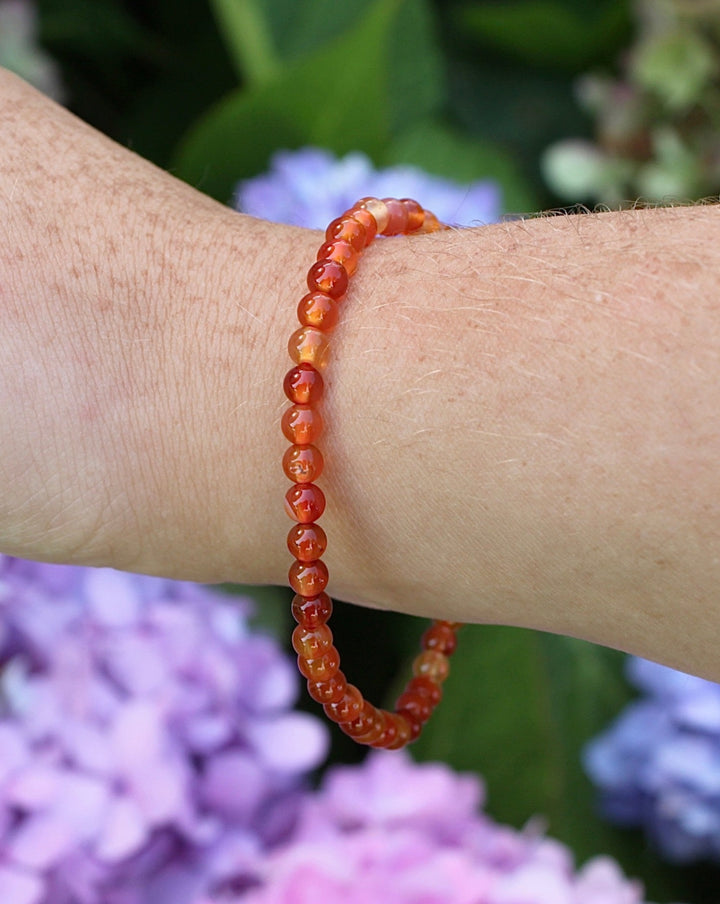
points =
(311, 187)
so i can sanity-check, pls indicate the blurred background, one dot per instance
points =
(545, 104)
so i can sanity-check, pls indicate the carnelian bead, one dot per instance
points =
(389, 733)
(348, 229)
(426, 687)
(309, 345)
(303, 385)
(441, 637)
(404, 728)
(431, 223)
(305, 502)
(318, 310)
(302, 464)
(329, 691)
(308, 578)
(379, 211)
(313, 611)
(366, 219)
(348, 708)
(312, 644)
(432, 664)
(307, 542)
(416, 705)
(342, 252)
(329, 277)
(302, 424)
(369, 725)
(415, 214)
(397, 217)
(321, 669)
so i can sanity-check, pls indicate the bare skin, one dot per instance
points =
(522, 419)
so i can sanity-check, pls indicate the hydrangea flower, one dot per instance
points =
(658, 765)
(394, 831)
(145, 737)
(311, 187)
(19, 48)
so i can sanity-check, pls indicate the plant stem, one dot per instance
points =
(247, 36)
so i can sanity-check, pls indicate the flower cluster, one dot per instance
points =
(656, 132)
(20, 51)
(311, 187)
(145, 738)
(394, 831)
(658, 765)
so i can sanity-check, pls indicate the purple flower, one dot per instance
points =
(145, 738)
(394, 831)
(658, 765)
(311, 187)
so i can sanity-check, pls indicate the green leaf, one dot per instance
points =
(309, 103)
(244, 28)
(438, 149)
(548, 33)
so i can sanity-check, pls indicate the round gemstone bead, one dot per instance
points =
(415, 214)
(313, 611)
(366, 219)
(308, 578)
(388, 735)
(302, 424)
(368, 726)
(318, 310)
(302, 464)
(321, 669)
(418, 706)
(404, 732)
(431, 664)
(342, 252)
(441, 637)
(426, 687)
(304, 502)
(307, 542)
(329, 691)
(309, 345)
(328, 276)
(303, 385)
(379, 211)
(397, 217)
(312, 644)
(347, 229)
(348, 708)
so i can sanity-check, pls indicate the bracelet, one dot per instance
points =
(318, 660)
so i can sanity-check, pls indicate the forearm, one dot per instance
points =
(522, 419)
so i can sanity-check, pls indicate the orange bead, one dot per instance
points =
(303, 385)
(366, 219)
(309, 345)
(348, 229)
(397, 217)
(302, 464)
(441, 637)
(308, 578)
(329, 691)
(389, 733)
(342, 252)
(426, 687)
(431, 665)
(318, 310)
(302, 424)
(329, 277)
(321, 669)
(305, 502)
(415, 214)
(368, 726)
(311, 612)
(307, 542)
(404, 732)
(431, 223)
(348, 708)
(418, 706)
(379, 211)
(312, 644)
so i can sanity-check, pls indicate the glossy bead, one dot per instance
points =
(329, 277)
(348, 229)
(404, 732)
(304, 502)
(308, 578)
(342, 252)
(302, 464)
(431, 223)
(348, 708)
(311, 612)
(309, 345)
(369, 725)
(321, 669)
(426, 687)
(329, 691)
(312, 644)
(379, 211)
(441, 637)
(397, 217)
(432, 665)
(366, 219)
(417, 705)
(303, 385)
(302, 424)
(307, 542)
(318, 310)
(389, 733)
(415, 214)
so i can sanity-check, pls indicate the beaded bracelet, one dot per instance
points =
(318, 660)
